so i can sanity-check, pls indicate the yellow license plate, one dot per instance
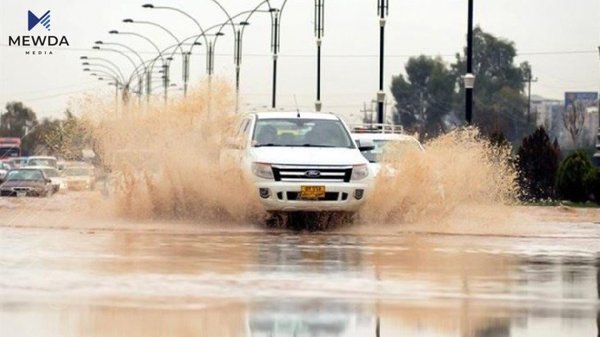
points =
(312, 192)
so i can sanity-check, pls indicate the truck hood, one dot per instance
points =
(307, 155)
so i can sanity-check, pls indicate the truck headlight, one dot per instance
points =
(262, 170)
(360, 172)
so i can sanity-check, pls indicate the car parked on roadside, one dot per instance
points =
(31, 182)
(299, 161)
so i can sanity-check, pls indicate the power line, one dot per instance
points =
(527, 53)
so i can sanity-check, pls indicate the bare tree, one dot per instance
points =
(574, 120)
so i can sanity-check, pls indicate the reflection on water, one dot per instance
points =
(106, 283)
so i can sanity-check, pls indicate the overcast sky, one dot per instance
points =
(559, 38)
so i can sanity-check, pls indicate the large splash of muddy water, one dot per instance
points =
(164, 160)
(459, 174)
(165, 165)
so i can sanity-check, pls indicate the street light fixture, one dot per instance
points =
(469, 80)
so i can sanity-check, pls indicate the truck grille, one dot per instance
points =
(312, 173)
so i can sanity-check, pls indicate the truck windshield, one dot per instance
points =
(301, 132)
(6, 152)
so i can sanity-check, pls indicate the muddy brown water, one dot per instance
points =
(78, 278)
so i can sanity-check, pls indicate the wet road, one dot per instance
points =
(66, 281)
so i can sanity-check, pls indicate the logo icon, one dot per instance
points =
(33, 20)
(312, 173)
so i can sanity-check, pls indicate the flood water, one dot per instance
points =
(251, 282)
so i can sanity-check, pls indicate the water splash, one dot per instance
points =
(164, 160)
(457, 171)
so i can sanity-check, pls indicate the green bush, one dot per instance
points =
(592, 181)
(570, 181)
(537, 162)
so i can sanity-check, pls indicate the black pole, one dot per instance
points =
(529, 100)
(186, 72)
(273, 102)
(319, 73)
(165, 82)
(319, 21)
(275, 46)
(148, 86)
(116, 98)
(469, 91)
(238, 62)
(382, 11)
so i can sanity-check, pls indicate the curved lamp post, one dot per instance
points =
(160, 55)
(101, 59)
(113, 77)
(167, 64)
(209, 45)
(140, 79)
(127, 82)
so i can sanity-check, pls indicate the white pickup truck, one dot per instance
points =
(300, 161)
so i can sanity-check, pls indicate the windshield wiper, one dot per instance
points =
(318, 145)
(268, 144)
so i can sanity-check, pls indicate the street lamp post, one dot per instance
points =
(166, 65)
(319, 32)
(275, 25)
(126, 83)
(469, 77)
(382, 11)
(160, 55)
(140, 78)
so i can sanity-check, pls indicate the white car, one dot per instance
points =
(79, 177)
(57, 182)
(42, 161)
(4, 168)
(380, 140)
(299, 162)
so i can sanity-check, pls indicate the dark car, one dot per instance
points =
(26, 182)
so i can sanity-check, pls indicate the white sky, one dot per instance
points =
(559, 38)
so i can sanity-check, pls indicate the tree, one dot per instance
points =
(537, 163)
(424, 96)
(571, 179)
(17, 121)
(499, 100)
(65, 138)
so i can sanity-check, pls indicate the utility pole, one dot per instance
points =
(383, 11)
(529, 80)
(367, 118)
(319, 32)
